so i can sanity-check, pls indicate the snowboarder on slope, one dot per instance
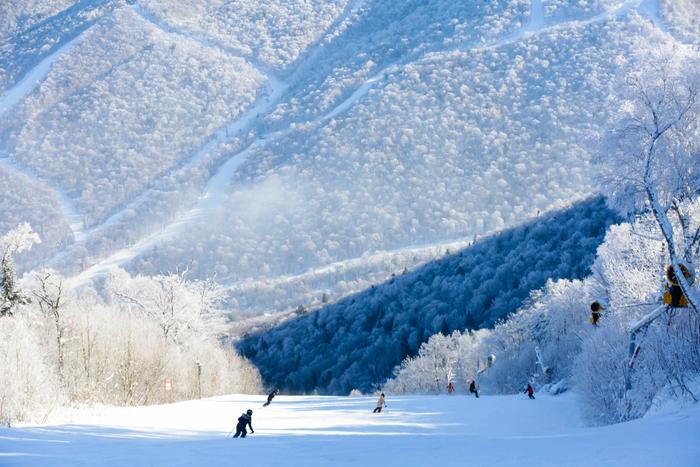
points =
(530, 391)
(380, 403)
(472, 389)
(243, 420)
(450, 387)
(271, 396)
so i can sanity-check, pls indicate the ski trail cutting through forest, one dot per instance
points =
(14, 96)
(375, 258)
(32, 79)
(651, 9)
(271, 93)
(69, 209)
(202, 40)
(536, 22)
(212, 197)
(215, 190)
(536, 25)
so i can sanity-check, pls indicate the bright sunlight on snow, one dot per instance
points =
(313, 430)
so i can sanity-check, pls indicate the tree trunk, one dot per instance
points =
(667, 230)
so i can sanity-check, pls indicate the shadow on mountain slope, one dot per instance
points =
(356, 342)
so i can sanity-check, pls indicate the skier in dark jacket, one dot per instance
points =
(530, 391)
(271, 396)
(472, 389)
(243, 420)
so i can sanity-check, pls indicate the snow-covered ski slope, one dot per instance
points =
(287, 137)
(499, 431)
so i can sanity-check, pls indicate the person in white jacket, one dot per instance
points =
(380, 403)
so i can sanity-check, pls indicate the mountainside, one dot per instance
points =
(271, 142)
(357, 342)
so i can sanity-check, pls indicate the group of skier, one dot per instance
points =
(529, 390)
(246, 419)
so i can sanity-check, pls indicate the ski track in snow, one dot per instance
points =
(358, 94)
(12, 98)
(429, 430)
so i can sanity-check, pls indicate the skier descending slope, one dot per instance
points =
(243, 420)
(271, 396)
(530, 391)
(380, 403)
(472, 389)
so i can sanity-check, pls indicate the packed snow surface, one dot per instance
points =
(312, 430)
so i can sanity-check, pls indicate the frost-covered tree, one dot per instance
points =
(180, 306)
(651, 157)
(84, 347)
(15, 241)
(50, 296)
(443, 359)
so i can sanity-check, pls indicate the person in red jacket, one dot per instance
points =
(530, 391)
(450, 388)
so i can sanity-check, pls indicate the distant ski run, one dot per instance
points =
(69, 209)
(32, 79)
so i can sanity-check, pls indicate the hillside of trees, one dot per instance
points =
(356, 342)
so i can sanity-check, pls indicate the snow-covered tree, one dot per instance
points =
(443, 359)
(651, 157)
(180, 307)
(50, 296)
(15, 241)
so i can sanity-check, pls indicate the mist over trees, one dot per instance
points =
(436, 108)
(356, 342)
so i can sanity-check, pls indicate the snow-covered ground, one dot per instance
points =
(304, 431)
